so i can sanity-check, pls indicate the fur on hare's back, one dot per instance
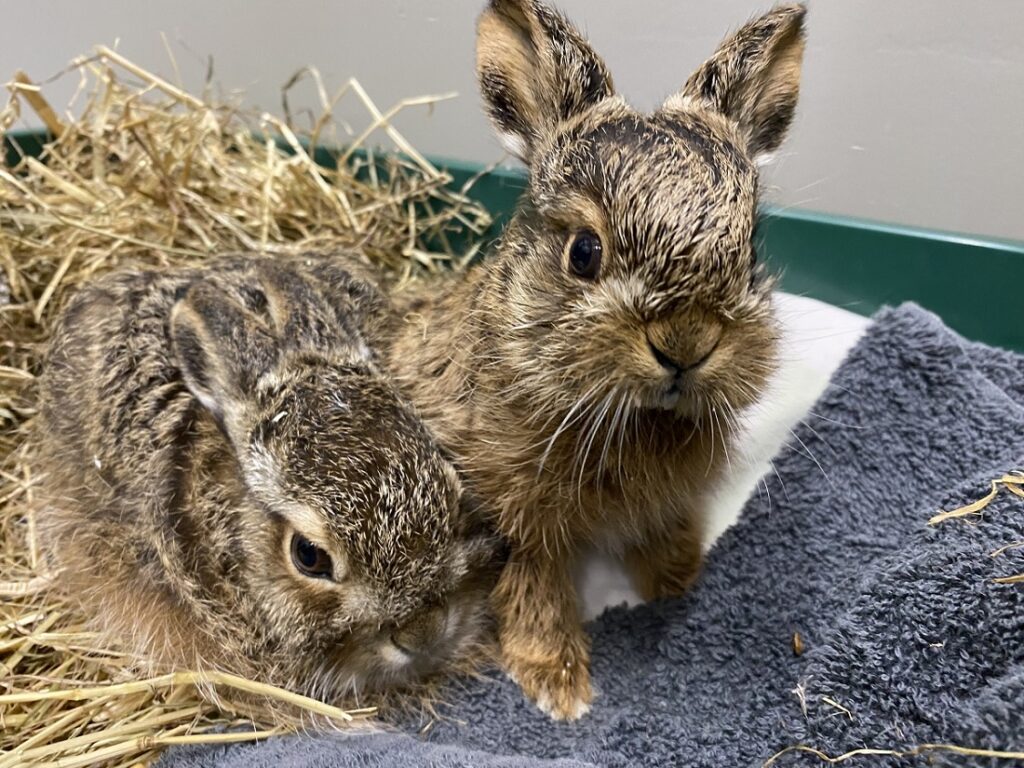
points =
(588, 374)
(233, 484)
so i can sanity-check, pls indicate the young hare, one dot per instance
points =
(232, 484)
(588, 372)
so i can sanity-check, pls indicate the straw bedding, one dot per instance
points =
(142, 172)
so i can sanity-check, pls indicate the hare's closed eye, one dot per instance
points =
(584, 249)
(309, 559)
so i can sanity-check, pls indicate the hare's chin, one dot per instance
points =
(394, 656)
(670, 400)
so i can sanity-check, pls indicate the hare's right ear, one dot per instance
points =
(535, 71)
(221, 348)
(754, 78)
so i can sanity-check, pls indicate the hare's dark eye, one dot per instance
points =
(309, 559)
(585, 254)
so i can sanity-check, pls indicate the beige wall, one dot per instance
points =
(912, 111)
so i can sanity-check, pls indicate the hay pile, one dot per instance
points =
(146, 173)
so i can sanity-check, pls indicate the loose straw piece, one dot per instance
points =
(921, 749)
(130, 66)
(178, 679)
(1016, 579)
(1013, 482)
(24, 86)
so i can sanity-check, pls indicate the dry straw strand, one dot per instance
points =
(1012, 482)
(921, 749)
(146, 173)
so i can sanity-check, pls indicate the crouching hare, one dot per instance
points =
(588, 373)
(233, 485)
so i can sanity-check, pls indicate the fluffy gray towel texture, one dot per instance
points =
(907, 639)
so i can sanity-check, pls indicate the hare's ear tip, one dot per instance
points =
(786, 16)
(509, 6)
(795, 13)
(796, 10)
(492, 9)
(515, 12)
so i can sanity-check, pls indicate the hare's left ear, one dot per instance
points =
(221, 349)
(753, 78)
(535, 70)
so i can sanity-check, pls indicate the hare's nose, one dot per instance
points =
(664, 360)
(420, 636)
(683, 340)
(677, 367)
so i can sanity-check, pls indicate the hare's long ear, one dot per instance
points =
(754, 78)
(535, 70)
(221, 348)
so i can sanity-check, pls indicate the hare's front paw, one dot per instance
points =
(561, 689)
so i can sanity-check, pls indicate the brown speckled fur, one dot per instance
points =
(191, 420)
(545, 385)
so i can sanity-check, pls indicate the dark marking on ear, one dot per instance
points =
(596, 83)
(254, 298)
(777, 122)
(708, 82)
(192, 358)
(501, 101)
(765, 33)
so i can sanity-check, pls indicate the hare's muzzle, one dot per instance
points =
(683, 342)
(424, 637)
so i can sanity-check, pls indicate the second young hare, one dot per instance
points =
(587, 374)
(233, 485)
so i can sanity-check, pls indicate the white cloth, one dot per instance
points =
(816, 338)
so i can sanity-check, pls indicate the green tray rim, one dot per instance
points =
(859, 264)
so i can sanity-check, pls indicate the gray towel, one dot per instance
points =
(907, 638)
